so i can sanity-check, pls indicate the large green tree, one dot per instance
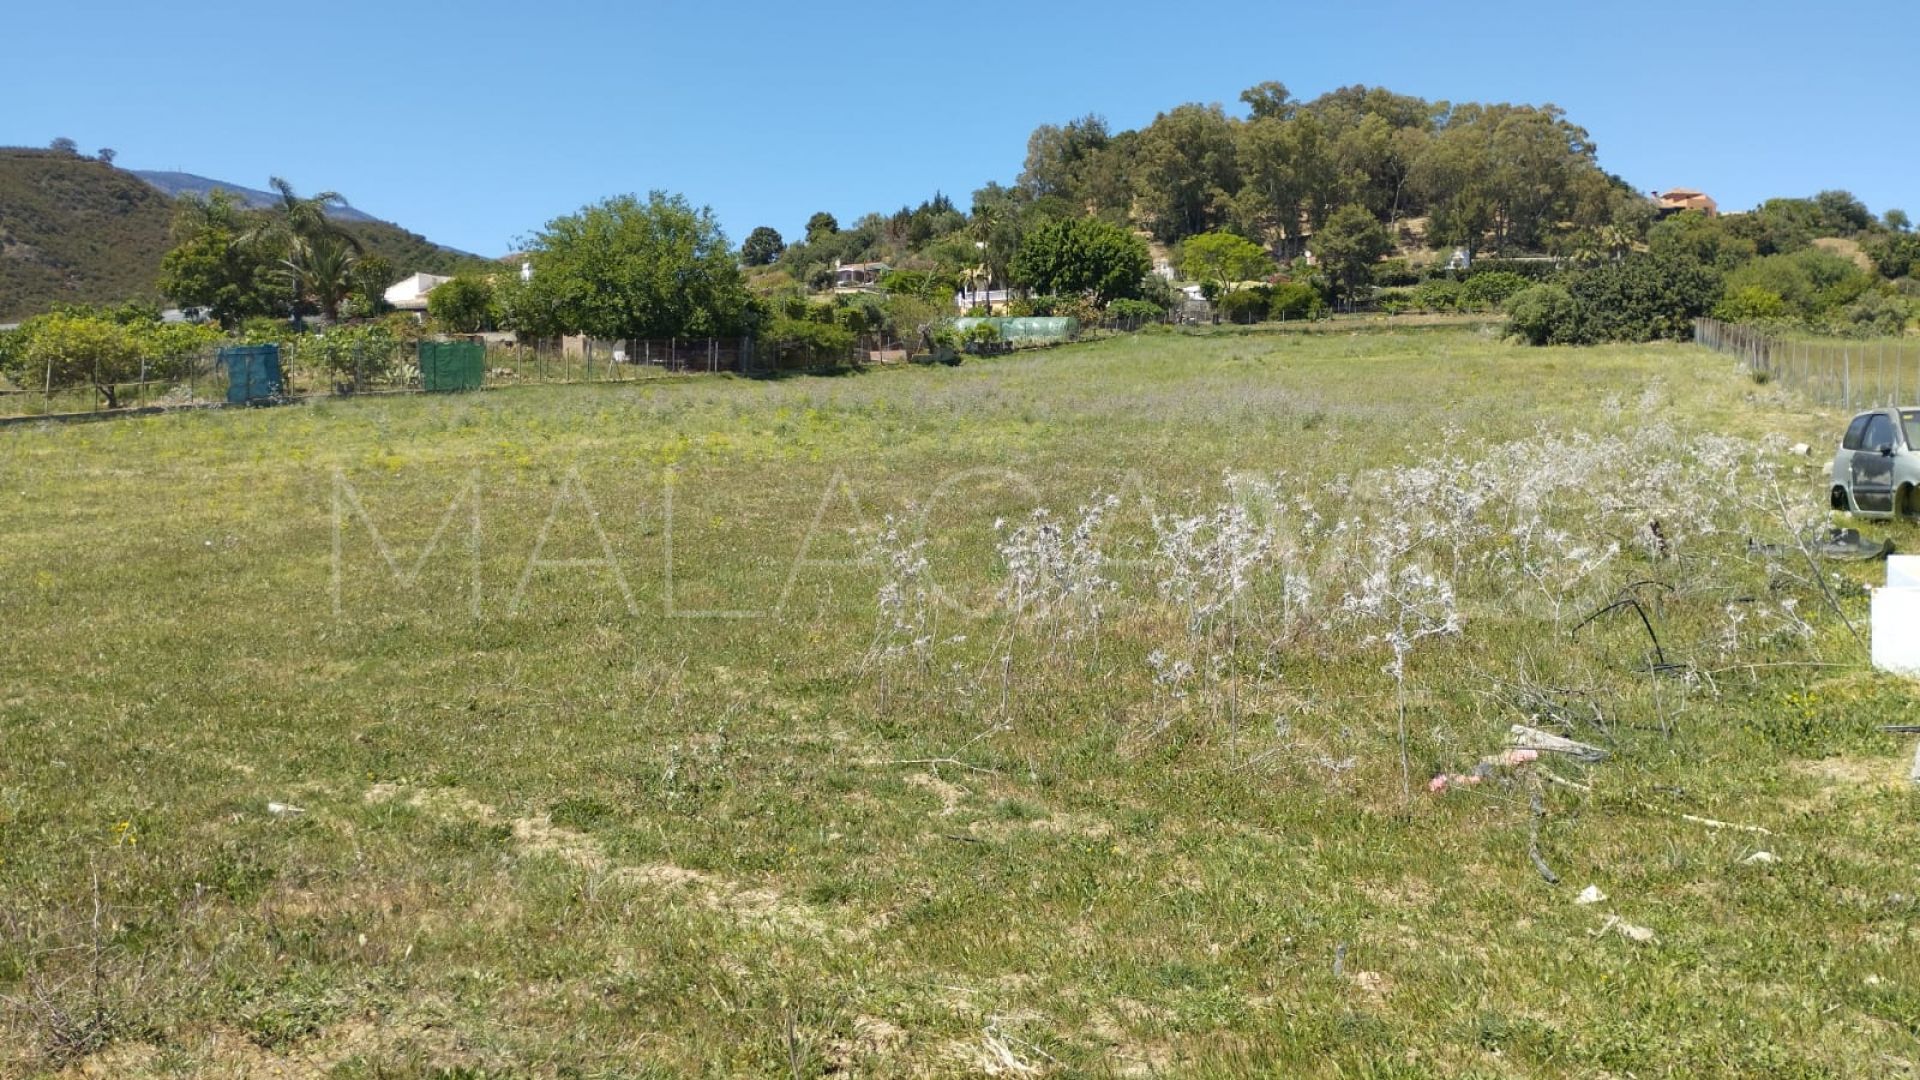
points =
(633, 268)
(1186, 171)
(463, 305)
(763, 247)
(211, 267)
(1223, 259)
(1348, 247)
(1081, 257)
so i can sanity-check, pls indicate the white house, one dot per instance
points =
(410, 294)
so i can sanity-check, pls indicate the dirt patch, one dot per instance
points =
(225, 1052)
(1837, 778)
(951, 795)
(1373, 984)
(538, 835)
(873, 1039)
(1864, 772)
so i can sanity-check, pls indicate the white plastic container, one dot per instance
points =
(1903, 571)
(1896, 629)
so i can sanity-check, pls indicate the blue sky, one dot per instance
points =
(476, 122)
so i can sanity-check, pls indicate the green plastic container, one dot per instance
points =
(452, 365)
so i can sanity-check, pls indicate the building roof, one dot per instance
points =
(410, 293)
(1686, 199)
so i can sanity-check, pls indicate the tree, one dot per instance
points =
(1061, 160)
(211, 268)
(821, 225)
(1269, 101)
(626, 268)
(1841, 214)
(1897, 220)
(1694, 235)
(1352, 241)
(317, 254)
(107, 154)
(370, 278)
(763, 247)
(322, 268)
(1222, 259)
(1186, 171)
(1081, 257)
(64, 145)
(83, 350)
(463, 305)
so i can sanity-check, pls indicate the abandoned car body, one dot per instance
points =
(1876, 471)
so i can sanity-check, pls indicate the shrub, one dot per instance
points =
(13, 354)
(1295, 300)
(352, 355)
(1544, 315)
(1750, 303)
(1643, 297)
(1812, 283)
(805, 342)
(1531, 269)
(1395, 272)
(1873, 315)
(1244, 306)
(1139, 311)
(1440, 294)
(981, 337)
(1492, 288)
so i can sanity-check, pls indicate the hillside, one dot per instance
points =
(77, 230)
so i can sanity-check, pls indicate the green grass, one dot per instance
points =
(556, 831)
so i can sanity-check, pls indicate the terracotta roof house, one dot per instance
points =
(1681, 199)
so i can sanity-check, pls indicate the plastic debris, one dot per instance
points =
(1625, 929)
(284, 810)
(1845, 545)
(1760, 857)
(1590, 895)
(1534, 739)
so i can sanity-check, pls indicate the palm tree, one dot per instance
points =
(323, 269)
(317, 253)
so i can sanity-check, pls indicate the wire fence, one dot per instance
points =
(309, 369)
(1849, 374)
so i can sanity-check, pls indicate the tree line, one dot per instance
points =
(1278, 211)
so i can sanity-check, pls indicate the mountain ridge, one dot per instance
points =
(176, 184)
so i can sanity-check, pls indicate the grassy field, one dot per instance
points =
(725, 727)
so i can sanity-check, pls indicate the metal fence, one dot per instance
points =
(202, 379)
(1849, 374)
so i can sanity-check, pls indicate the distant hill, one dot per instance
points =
(75, 230)
(78, 230)
(177, 184)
